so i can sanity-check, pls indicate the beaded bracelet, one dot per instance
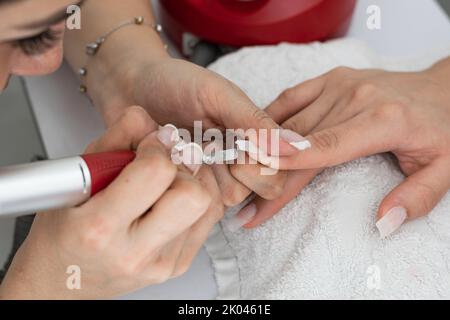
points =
(93, 47)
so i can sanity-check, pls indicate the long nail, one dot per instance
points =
(192, 157)
(241, 218)
(391, 221)
(168, 135)
(294, 139)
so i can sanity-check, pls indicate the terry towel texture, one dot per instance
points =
(324, 243)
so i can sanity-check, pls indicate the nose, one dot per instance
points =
(4, 85)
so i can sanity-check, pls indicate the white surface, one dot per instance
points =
(68, 123)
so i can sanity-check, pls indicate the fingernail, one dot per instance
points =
(168, 135)
(391, 221)
(294, 139)
(192, 157)
(241, 218)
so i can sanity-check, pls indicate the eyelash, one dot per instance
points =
(40, 43)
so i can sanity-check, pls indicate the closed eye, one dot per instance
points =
(40, 43)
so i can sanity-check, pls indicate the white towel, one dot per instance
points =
(324, 243)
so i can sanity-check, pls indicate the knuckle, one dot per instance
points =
(207, 94)
(391, 112)
(288, 94)
(265, 186)
(126, 267)
(162, 163)
(163, 276)
(218, 212)
(340, 70)
(162, 271)
(145, 167)
(135, 118)
(183, 266)
(325, 140)
(364, 91)
(155, 163)
(426, 195)
(193, 195)
(277, 186)
(234, 194)
(277, 191)
(296, 124)
(135, 114)
(270, 190)
(261, 116)
(180, 270)
(97, 234)
(238, 171)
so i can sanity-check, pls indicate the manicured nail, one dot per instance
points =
(294, 139)
(192, 157)
(391, 221)
(241, 218)
(168, 135)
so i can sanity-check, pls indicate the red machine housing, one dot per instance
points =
(255, 22)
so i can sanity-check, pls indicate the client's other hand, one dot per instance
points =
(346, 114)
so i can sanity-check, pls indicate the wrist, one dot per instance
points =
(113, 72)
(38, 273)
(25, 279)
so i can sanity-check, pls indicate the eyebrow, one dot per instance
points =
(53, 19)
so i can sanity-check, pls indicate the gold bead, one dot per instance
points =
(83, 89)
(139, 20)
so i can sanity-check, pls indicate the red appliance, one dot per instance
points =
(239, 23)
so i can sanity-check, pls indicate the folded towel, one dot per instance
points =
(324, 243)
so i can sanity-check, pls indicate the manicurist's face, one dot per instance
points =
(31, 33)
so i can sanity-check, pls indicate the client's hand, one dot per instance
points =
(143, 229)
(347, 114)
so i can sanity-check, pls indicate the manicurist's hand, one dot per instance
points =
(143, 229)
(346, 114)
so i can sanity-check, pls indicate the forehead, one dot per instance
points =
(16, 13)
